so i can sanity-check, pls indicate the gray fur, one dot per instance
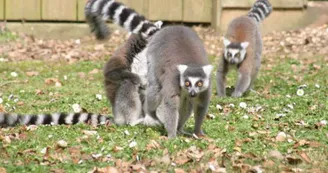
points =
(166, 100)
(128, 106)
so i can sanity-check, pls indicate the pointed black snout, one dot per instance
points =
(192, 94)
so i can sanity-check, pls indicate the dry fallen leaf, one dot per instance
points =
(178, 170)
(32, 73)
(305, 157)
(53, 81)
(2, 170)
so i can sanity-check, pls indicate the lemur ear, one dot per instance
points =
(182, 68)
(159, 24)
(226, 42)
(244, 45)
(208, 69)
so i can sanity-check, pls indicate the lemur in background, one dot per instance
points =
(243, 48)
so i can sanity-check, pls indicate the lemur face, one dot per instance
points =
(235, 53)
(195, 80)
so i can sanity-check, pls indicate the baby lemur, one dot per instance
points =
(179, 79)
(124, 88)
(243, 48)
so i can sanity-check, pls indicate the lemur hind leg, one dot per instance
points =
(128, 106)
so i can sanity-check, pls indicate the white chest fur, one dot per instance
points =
(139, 66)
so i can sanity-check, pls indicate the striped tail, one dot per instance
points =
(11, 119)
(97, 12)
(260, 10)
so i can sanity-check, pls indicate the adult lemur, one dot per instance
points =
(243, 48)
(178, 68)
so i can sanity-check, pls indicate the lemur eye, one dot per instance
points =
(229, 54)
(199, 84)
(237, 55)
(187, 83)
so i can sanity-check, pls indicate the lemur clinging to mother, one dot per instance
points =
(243, 48)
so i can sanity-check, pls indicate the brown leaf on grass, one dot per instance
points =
(123, 166)
(32, 73)
(301, 143)
(53, 81)
(179, 170)
(39, 92)
(117, 149)
(75, 153)
(305, 157)
(2, 170)
(2, 108)
(195, 153)
(105, 170)
(181, 158)
(153, 145)
(138, 168)
(20, 103)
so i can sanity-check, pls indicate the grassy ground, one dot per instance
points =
(238, 139)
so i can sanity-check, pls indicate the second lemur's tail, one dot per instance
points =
(260, 10)
(97, 12)
(12, 119)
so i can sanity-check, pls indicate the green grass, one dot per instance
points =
(228, 130)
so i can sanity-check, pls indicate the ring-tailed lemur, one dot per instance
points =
(12, 119)
(243, 48)
(179, 79)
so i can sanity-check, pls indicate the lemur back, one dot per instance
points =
(178, 79)
(243, 48)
